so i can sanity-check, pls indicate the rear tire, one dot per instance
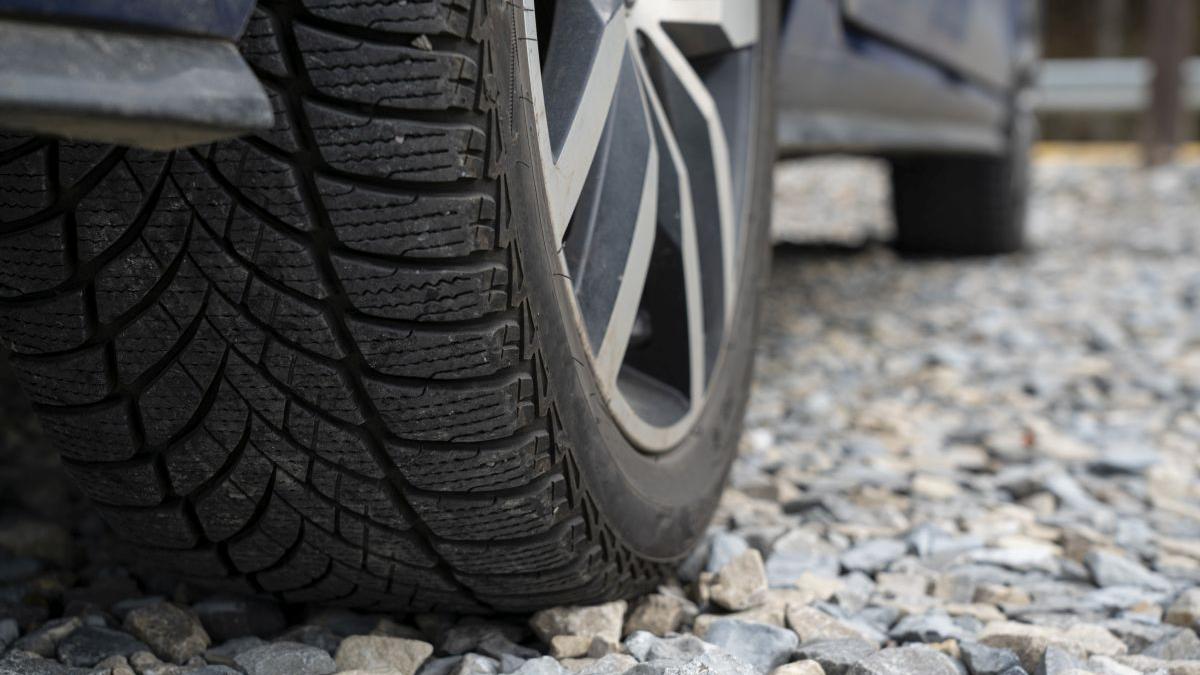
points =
(964, 205)
(332, 363)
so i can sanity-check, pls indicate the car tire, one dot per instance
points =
(336, 362)
(964, 205)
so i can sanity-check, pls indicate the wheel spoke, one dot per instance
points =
(702, 27)
(578, 83)
(696, 124)
(611, 234)
(677, 222)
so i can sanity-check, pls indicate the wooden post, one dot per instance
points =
(1169, 39)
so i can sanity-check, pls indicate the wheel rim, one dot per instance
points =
(645, 113)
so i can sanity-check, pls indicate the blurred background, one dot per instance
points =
(1120, 71)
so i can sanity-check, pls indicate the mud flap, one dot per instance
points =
(159, 92)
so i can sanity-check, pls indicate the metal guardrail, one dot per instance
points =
(1105, 85)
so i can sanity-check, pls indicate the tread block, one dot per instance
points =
(275, 254)
(366, 497)
(396, 148)
(268, 182)
(55, 325)
(145, 341)
(165, 526)
(387, 75)
(414, 16)
(260, 45)
(261, 394)
(269, 539)
(467, 414)
(76, 379)
(78, 158)
(302, 567)
(331, 443)
(32, 259)
(99, 434)
(398, 292)
(126, 280)
(201, 455)
(24, 189)
(110, 208)
(439, 355)
(207, 199)
(502, 467)
(227, 507)
(313, 382)
(408, 225)
(554, 549)
(136, 485)
(491, 518)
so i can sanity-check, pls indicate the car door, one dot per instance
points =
(959, 34)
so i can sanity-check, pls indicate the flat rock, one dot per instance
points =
(1030, 642)
(811, 624)
(285, 658)
(17, 662)
(805, 667)
(173, 633)
(934, 627)
(658, 613)
(836, 656)
(90, 645)
(1182, 646)
(545, 665)
(762, 646)
(367, 652)
(912, 660)
(1112, 569)
(1185, 610)
(604, 621)
(741, 583)
(872, 556)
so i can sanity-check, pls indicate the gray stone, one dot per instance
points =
(174, 634)
(760, 645)
(604, 621)
(984, 660)
(1185, 609)
(285, 658)
(872, 556)
(740, 584)
(541, 666)
(468, 634)
(658, 613)
(1111, 569)
(1057, 662)
(723, 548)
(911, 660)
(474, 664)
(225, 653)
(609, 664)
(18, 662)
(644, 647)
(935, 627)
(1182, 646)
(375, 652)
(320, 637)
(785, 567)
(836, 656)
(90, 645)
(44, 640)
(228, 618)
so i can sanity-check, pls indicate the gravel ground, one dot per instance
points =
(986, 467)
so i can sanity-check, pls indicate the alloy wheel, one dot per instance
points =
(645, 114)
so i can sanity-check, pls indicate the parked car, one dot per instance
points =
(464, 320)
